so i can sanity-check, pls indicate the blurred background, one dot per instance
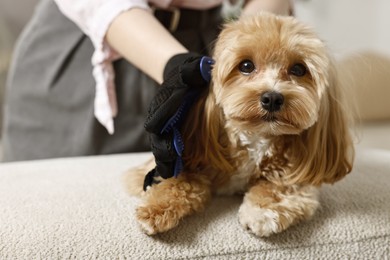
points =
(357, 33)
(14, 14)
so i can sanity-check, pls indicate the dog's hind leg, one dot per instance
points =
(167, 202)
(133, 179)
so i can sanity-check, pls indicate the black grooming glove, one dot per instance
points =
(181, 75)
(185, 77)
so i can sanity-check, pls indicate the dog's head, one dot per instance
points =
(273, 77)
(270, 75)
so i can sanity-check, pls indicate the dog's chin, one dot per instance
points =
(267, 125)
(277, 128)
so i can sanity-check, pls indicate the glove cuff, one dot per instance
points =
(176, 61)
(193, 69)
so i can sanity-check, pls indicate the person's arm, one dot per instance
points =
(282, 7)
(134, 32)
(141, 39)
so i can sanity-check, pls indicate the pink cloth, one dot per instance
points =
(94, 17)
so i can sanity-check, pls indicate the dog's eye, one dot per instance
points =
(246, 67)
(298, 70)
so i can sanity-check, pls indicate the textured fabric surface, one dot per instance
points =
(78, 208)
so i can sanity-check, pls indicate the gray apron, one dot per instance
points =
(50, 90)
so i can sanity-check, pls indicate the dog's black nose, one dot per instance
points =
(272, 101)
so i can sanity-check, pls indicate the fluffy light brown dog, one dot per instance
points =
(272, 126)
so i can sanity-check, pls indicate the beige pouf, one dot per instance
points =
(366, 75)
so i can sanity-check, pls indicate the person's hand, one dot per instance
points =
(185, 77)
(182, 75)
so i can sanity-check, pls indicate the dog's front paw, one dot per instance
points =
(276, 213)
(259, 221)
(155, 219)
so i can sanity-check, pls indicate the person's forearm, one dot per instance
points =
(282, 7)
(139, 37)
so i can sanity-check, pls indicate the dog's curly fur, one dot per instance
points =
(278, 159)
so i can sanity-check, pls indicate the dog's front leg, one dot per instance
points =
(268, 208)
(171, 200)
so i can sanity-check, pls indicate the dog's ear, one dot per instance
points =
(324, 153)
(205, 142)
